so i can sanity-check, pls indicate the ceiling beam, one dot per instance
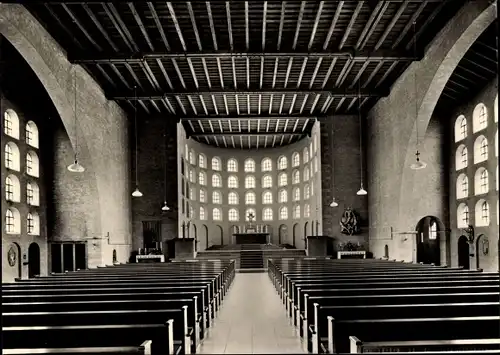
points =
(247, 118)
(88, 58)
(246, 133)
(161, 95)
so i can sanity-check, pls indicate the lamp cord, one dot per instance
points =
(415, 81)
(360, 132)
(76, 131)
(135, 129)
(333, 157)
(165, 163)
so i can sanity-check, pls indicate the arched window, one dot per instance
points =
(283, 213)
(216, 197)
(32, 134)
(315, 143)
(283, 196)
(462, 186)
(296, 212)
(312, 187)
(267, 198)
(11, 123)
(32, 164)
(267, 214)
(191, 176)
(306, 173)
(216, 180)
(315, 164)
(249, 166)
(232, 182)
(295, 159)
(191, 158)
(202, 178)
(191, 212)
(460, 128)
(282, 163)
(481, 185)
(250, 212)
(307, 192)
(12, 189)
(33, 224)
(482, 213)
(12, 221)
(461, 157)
(216, 164)
(203, 195)
(232, 165)
(296, 194)
(462, 216)
(479, 118)
(496, 143)
(267, 182)
(305, 155)
(186, 151)
(250, 198)
(311, 152)
(283, 179)
(296, 177)
(233, 215)
(12, 157)
(480, 149)
(202, 161)
(433, 230)
(192, 195)
(497, 178)
(216, 214)
(250, 182)
(266, 165)
(232, 198)
(307, 211)
(203, 216)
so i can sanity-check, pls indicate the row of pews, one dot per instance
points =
(164, 308)
(360, 306)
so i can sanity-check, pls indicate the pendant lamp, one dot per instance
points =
(137, 192)
(165, 207)
(361, 191)
(418, 164)
(76, 167)
(333, 203)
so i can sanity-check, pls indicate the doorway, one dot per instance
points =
(429, 230)
(294, 234)
(33, 260)
(386, 251)
(206, 236)
(463, 252)
(282, 235)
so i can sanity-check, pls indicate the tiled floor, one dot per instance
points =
(252, 321)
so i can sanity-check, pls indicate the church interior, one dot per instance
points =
(250, 176)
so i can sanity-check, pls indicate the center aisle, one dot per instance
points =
(252, 321)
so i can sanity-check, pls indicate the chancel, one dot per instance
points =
(222, 177)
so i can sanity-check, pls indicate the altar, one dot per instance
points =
(251, 238)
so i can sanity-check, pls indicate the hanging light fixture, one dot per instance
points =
(137, 192)
(165, 206)
(418, 164)
(361, 191)
(333, 203)
(76, 167)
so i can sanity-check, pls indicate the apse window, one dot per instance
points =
(232, 165)
(249, 166)
(11, 123)
(267, 214)
(479, 118)
(250, 182)
(216, 214)
(460, 128)
(32, 134)
(461, 157)
(295, 159)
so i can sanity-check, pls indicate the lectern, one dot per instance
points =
(317, 245)
(183, 248)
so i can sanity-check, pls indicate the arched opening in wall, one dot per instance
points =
(235, 229)
(317, 227)
(312, 228)
(115, 260)
(386, 251)
(33, 260)
(14, 259)
(188, 229)
(282, 235)
(482, 250)
(221, 235)
(183, 230)
(195, 236)
(294, 234)
(206, 236)
(463, 252)
(305, 230)
(429, 230)
(269, 230)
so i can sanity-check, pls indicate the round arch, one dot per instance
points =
(430, 231)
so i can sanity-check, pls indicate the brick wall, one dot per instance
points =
(97, 203)
(489, 261)
(343, 136)
(395, 191)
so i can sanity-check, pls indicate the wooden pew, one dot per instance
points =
(337, 332)
(357, 346)
(95, 338)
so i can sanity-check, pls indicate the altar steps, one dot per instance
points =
(251, 259)
(257, 270)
